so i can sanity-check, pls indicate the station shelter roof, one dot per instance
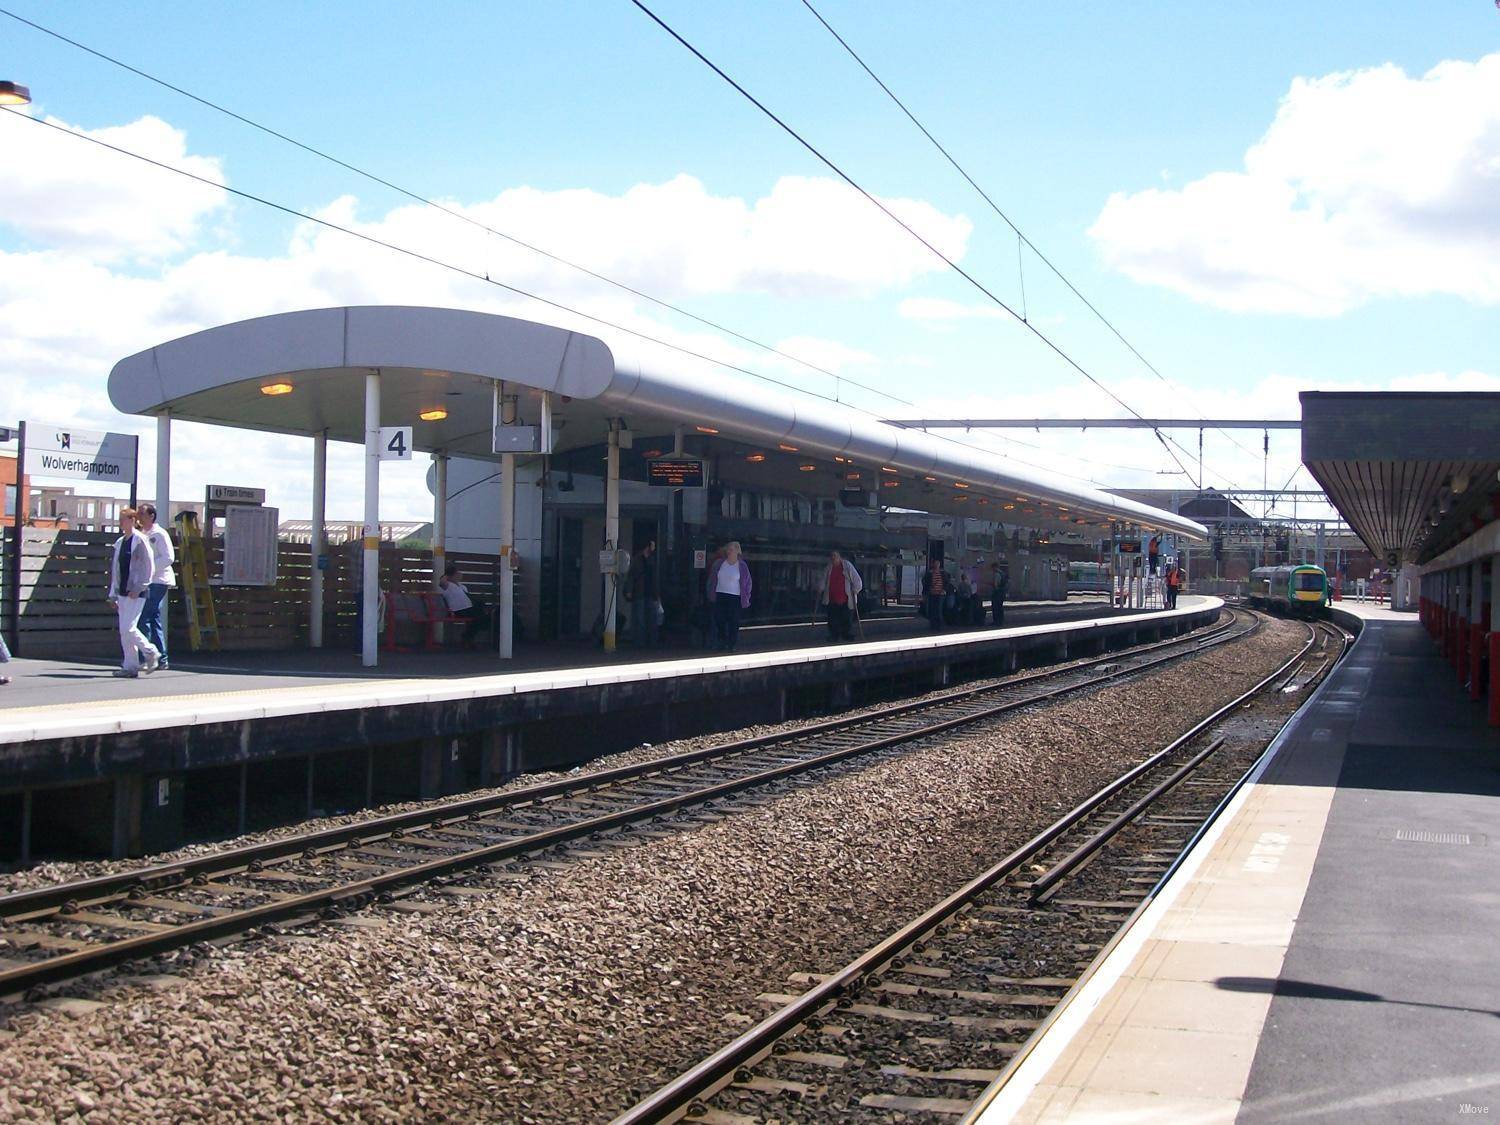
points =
(452, 359)
(1413, 473)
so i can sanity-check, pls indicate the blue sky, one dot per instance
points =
(1054, 110)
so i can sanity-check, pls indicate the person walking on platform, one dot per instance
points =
(729, 583)
(645, 597)
(1153, 553)
(932, 594)
(154, 615)
(1002, 587)
(841, 587)
(460, 604)
(130, 573)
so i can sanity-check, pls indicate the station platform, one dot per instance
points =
(1328, 949)
(65, 682)
(128, 767)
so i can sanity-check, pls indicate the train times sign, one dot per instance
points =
(62, 451)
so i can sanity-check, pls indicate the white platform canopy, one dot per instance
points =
(353, 368)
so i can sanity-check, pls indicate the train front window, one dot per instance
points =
(1309, 581)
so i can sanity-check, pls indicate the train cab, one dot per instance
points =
(1300, 590)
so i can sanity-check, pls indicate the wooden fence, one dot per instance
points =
(64, 575)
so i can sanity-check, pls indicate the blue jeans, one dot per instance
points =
(154, 617)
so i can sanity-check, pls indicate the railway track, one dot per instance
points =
(916, 1027)
(69, 930)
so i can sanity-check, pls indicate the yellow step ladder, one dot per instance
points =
(197, 594)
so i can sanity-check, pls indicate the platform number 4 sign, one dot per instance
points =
(395, 443)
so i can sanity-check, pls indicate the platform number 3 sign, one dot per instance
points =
(395, 443)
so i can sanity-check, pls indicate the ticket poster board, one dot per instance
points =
(250, 545)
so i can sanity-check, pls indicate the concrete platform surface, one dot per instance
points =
(56, 686)
(1330, 951)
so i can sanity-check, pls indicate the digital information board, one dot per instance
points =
(674, 472)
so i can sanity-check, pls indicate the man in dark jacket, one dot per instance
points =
(1002, 587)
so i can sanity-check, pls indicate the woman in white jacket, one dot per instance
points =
(130, 572)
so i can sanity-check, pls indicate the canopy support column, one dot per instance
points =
(1494, 687)
(439, 514)
(370, 572)
(1474, 633)
(507, 537)
(612, 534)
(317, 544)
(164, 468)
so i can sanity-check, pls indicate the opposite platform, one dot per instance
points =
(127, 776)
(1327, 950)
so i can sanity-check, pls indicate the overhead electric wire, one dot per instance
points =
(417, 254)
(474, 276)
(995, 207)
(451, 212)
(426, 201)
(893, 217)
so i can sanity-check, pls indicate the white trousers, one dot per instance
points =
(132, 641)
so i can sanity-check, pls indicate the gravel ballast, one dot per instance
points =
(561, 994)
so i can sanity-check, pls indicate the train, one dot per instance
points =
(1301, 591)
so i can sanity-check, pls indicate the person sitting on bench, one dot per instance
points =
(460, 604)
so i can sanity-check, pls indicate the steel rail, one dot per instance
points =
(1048, 884)
(17, 906)
(718, 1070)
(363, 891)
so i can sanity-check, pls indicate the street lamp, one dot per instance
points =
(13, 93)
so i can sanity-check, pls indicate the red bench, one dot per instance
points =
(425, 610)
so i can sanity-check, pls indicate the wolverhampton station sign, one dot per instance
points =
(62, 451)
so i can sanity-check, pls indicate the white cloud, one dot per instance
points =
(807, 237)
(70, 307)
(1368, 184)
(828, 354)
(109, 262)
(941, 310)
(66, 194)
(1442, 381)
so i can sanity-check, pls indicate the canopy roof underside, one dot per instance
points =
(1413, 473)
